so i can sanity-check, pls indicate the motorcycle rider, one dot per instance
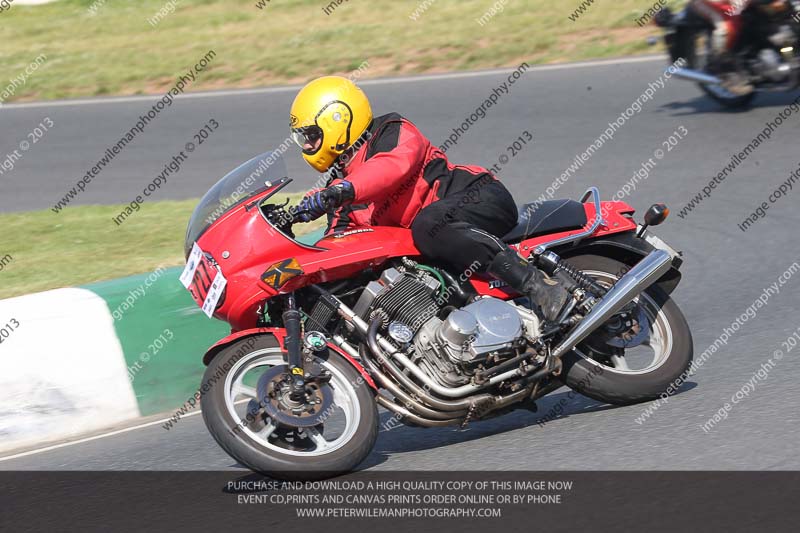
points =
(384, 172)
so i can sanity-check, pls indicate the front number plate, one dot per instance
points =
(203, 280)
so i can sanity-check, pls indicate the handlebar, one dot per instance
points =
(282, 218)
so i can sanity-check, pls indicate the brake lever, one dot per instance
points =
(278, 216)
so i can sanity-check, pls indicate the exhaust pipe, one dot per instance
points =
(459, 407)
(696, 76)
(393, 354)
(418, 420)
(645, 273)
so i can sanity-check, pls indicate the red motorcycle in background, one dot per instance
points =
(323, 334)
(766, 49)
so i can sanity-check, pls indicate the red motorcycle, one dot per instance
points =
(324, 333)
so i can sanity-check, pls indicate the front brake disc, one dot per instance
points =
(274, 388)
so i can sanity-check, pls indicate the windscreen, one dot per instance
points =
(245, 181)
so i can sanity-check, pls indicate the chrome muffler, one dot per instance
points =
(642, 275)
(696, 76)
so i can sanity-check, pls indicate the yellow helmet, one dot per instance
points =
(328, 115)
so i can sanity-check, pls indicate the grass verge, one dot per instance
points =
(98, 47)
(83, 245)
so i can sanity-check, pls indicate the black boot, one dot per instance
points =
(525, 278)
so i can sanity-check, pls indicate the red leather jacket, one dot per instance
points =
(396, 173)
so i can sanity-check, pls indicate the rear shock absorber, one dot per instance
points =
(550, 263)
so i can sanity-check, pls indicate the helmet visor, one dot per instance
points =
(309, 139)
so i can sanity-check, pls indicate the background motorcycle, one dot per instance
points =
(766, 52)
(322, 334)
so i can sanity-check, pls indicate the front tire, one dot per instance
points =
(249, 436)
(609, 382)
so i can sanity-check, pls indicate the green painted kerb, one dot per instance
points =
(162, 378)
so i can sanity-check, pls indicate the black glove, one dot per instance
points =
(337, 195)
(327, 200)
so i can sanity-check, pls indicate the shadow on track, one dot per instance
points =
(705, 105)
(402, 439)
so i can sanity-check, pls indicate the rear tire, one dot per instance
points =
(604, 383)
(251, 452)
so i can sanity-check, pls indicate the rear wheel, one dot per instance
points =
(635, 359)
(250, 414)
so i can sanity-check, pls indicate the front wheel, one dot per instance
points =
(250, 413)
(634, 357)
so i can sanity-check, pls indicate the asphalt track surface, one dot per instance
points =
(566, 109)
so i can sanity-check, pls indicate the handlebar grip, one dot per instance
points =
(296, 214)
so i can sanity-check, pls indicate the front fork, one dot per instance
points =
(293, 343)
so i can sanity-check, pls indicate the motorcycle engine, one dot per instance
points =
(451, 348)
(482, 334)
(407, 297)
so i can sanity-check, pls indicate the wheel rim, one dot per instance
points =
(339, 426)
(657, 343)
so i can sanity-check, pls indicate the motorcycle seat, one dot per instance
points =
(551, 216)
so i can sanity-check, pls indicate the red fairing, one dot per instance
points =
(244, 246)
